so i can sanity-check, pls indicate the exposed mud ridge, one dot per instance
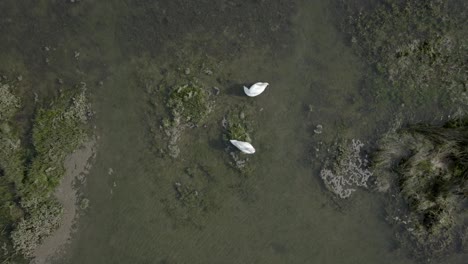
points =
(76, 164)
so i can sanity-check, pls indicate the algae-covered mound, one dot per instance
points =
(418, 48)
(427, 168)
(188, 105)
(179, 100)
(189, 102)
(237, 127)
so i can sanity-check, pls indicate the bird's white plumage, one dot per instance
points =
(245, 147)
(255, 89)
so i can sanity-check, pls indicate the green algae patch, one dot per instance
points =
(426, 169)
(236, 126)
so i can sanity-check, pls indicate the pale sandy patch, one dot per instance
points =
(76, 165)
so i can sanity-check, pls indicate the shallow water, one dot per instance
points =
(279, 213)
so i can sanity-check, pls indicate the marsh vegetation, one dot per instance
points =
(416, 53)
(32, 165)
(169, 187)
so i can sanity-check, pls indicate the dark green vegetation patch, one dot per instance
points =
(236, 126)
(427, 167)
(417, 55)
(57, 131)
(11, 168)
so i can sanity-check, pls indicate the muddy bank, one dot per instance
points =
(77, 165)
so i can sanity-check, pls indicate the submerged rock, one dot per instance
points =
(348, 170)
(318, 129)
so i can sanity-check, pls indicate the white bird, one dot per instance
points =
(255, 89)
(245, 147)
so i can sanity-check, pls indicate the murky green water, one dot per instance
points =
(280, 213)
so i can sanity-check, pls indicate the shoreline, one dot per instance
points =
(76, 165)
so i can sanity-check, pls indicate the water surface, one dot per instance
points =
(279, 213)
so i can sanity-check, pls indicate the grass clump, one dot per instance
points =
(427, 168)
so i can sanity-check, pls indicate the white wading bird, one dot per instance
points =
(245, 147)
(255, 89)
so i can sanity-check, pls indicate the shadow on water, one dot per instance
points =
(217, 144)
(233, 88)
